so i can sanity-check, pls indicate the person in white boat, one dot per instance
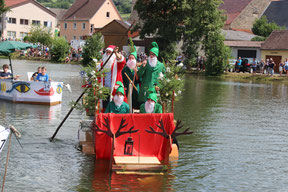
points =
(34, 76)
(43, 76)
(6, 74)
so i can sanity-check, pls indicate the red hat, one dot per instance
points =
(111, 47)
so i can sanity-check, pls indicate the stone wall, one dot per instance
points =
(247, 17)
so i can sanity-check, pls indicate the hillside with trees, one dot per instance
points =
(123, 6)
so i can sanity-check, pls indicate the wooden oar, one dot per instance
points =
(72, 108)
(131, 81)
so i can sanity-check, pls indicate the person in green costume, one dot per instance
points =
(131, 70)
(151, 105)
(149, 73)
(118, 105)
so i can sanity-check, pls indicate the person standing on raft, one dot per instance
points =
(151, 105)
(114, 66)
(150, 73)
(131, 70)
(118, 105)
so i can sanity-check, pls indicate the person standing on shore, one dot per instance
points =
(286, 66)
(150, 73)
(271, 66)
(238, 64)
(254, 65)
(281, 67)
(262, 64)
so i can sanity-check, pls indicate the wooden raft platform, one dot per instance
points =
(135, 163)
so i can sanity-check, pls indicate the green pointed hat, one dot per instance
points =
(155, 49)
(134, 53)
(120, 88)
(152, 96)
(151, 90)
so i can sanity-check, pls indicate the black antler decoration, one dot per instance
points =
(123, 125)
(118, 133)
(163, 133)
(179, 126)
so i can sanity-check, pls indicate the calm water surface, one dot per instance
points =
(239, 142)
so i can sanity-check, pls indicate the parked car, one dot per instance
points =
(246, 65)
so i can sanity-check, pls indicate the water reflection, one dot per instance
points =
(8, 109)
(100, 180)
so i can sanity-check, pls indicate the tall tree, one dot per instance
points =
(162, 19)
(3, 10)
(198, 23)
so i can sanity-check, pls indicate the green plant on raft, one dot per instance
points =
(173, 81)
(95, 91)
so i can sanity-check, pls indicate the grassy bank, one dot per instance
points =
(42, 59)
(256, 77)
(244, 77)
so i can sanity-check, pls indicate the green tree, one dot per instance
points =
(258, 38)
(3, 10)
(40, 34)
(263, 28)
(59, 49)
(92, 48)
(162, 19)
(212, 21)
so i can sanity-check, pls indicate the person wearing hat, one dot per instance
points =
(149, 73)
(113, 67)
(131, 70)
(151, 105)
(118, 105)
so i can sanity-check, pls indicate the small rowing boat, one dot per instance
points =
(31, 92)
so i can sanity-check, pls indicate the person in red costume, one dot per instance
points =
(114, 66)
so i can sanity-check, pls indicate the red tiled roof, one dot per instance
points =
(233, 8)
(250, 44)
(84, 9)
(10, 3)
(276, 41)
(16, 3)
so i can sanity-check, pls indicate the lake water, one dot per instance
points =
(239, 142)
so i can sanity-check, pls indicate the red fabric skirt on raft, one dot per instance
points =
(150, 144)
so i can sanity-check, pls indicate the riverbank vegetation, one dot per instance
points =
(197, 23)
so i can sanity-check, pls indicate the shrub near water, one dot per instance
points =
(59, 49)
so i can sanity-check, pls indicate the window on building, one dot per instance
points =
(74, 37)
(47, 23)
(12, 20)
(91, 28)
(65, 25)
(74, 25)
(80, 38)
(11, 34)
(23, 34)
(65, 37)
(24, 22)
(107, 14)
(35, 22)
(83, 25)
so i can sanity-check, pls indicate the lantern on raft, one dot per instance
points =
(128, 149)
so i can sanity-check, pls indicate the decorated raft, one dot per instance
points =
(30, 92)
(135, 142)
